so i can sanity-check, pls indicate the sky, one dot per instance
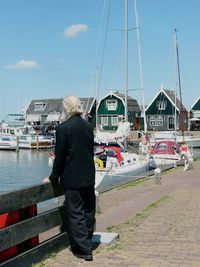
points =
(55, 48)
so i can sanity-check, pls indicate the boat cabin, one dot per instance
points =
(165, 147)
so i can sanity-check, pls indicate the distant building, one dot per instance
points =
(40, 111)
(160, 113)
(194, 121)
(111, 110)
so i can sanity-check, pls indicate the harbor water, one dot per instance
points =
(29, 167)
(23, 168)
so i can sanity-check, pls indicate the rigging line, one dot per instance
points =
(180, 87)
(98, 39)
(105, 39)
(97, 48)
(140, 63)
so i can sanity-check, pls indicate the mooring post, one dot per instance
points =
(157, 177)
(17, 139)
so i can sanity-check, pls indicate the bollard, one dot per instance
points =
(37, 140)
(157, 177)
(17, 139)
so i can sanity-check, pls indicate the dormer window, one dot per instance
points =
(161, 105)
(39, 106)
(111, 105)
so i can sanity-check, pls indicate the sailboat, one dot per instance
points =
(116, 166)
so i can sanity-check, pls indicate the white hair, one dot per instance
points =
(71, 106)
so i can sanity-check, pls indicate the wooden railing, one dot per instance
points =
(47, 218)
(27, 228)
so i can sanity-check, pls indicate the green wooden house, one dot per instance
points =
(194, 121)
(160, 113)
(111, 110)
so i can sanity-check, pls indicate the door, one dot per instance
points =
(171, 123)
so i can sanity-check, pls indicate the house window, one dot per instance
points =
(114, 120)
(152, 123)
(156, 122)
(111, 104)
(161, 105)
(159, 122)
(104, 120)
(39, 106)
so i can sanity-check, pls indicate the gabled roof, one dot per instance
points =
(131, 102)
(87, 103)
(171, 97)
(196, 105)
(51, 106)
(55, 105)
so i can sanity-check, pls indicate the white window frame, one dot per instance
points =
(152, 122)
(104, 120)
(111, 105)
(159, 122)
(161, 105)
(39, 106)
(114, 120)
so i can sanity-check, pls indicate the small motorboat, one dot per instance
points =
(166, 152)
(8, 142)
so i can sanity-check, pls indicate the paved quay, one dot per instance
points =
(158, 224)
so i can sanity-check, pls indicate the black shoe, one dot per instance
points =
(86, 257)
(80, 254)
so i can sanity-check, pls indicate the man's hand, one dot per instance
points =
(46, 180)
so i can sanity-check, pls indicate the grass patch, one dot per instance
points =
(134, 183)
(117, 245)
(152, 206)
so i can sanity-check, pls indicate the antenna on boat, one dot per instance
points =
(97, 94)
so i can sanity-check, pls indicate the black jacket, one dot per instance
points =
(74, 154)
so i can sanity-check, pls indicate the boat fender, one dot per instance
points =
(99, 162)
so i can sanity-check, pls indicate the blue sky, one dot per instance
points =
(52, 48)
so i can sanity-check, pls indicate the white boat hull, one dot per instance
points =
(7, 142)
(164, 160)
(107, 180)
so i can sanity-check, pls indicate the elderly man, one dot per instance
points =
(74, 167)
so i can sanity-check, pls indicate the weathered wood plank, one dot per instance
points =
(26, 229)
(39, 253)
(15, 200)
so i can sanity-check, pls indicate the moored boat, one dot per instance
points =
(168, 152)
(115, 167)
(8, 142)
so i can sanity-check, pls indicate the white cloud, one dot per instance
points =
(23, 64)
(74, 30)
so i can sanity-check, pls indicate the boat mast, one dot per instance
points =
(126, 60)
(179, 84)
(97, 94)
(140, 65)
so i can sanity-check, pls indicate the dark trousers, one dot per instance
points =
(80, 210)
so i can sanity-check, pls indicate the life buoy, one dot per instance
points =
(100, 164)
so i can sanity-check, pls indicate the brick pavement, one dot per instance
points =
(158, 224)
